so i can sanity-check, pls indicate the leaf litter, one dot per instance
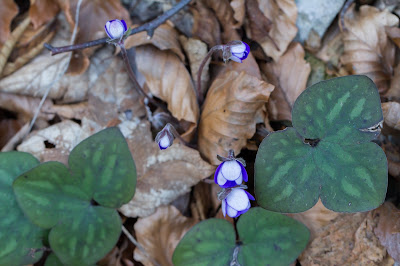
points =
(97, 92)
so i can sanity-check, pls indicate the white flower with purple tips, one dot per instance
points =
(115, 28)
(236, 51)
(236, 202)
(230, 173)
(165, 137)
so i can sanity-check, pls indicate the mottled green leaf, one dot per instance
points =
(328, 153)
(20, 239)
(78, 204)
(265, 238)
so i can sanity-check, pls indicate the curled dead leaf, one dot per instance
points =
(289, 75)
(367, 48)
(239, 10)
(223, 11)
(163, 175)
(168, 79)
(160, 233)
(8, 11)
(394, 91)
(283, 15)
(205, 25)
(42, 11)
(229, 113)
(391, 114)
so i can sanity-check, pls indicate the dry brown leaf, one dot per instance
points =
(42, 11)
(165, 38)
(223, 11)
(388, 230)
(163, 175)
(228, 118)
(205, 25)
(160, 233)
(69, 111)
(169, 81)
(283, 15)
(367, 48)
(8, 128)
(289, 75)
(315, 218)
(332, 46)
(394, 34)
(394, 91)
(239, 11)
(391, 114)
(392, 152)
(348, 240)
(196, 51)
(8, 11)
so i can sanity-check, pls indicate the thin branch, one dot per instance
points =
(137, 244)
(148, 27)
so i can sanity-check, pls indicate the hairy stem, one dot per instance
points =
(148, 27)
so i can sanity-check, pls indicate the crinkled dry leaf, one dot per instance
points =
(394, 90)
(391, 114)
(394, 34)
(229, 113)
(367, 48)
(42, 11)
(163, 175)
(8, 128)
(169, 81)
(165, 38)
(205, 25)
(160, 233)
(283, 15)
(223, 11)
(315, 218)
(289, 75)
(238, 11)
(392, 151)
(8, 11)
(196, 51)
(117, 256)
(388, 230)
(348, 240)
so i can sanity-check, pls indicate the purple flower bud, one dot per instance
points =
(236, 203)
(115, 28)
(236, 51)
(165, 138)
(230, 173)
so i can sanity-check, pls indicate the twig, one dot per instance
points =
(78, 7)
(137, 244)
(148, 27)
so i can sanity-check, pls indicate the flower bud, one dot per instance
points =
(165, 138)
(115, 28)
(236, 51)
(230, 173)
(236, 202)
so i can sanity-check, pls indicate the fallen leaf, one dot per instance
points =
(165, 38)
(163, 175)
(394, 34)
(42, 11)
(388, 230)
(392, 152)
(8, 128)
(223, 11)
(289, 75)
(205, 25)
(394, 90)
(160, 233)
(117, 256)
(332, 46)
(8, 11)
(367, 48)
(196, 51)
(283, 15)
(238, 11)
(391, 114)
(347, 240)
(228, 118)
(169, 81)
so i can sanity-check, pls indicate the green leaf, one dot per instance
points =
(265, 238)
(328, 153)
(20, 239)
(78, 204)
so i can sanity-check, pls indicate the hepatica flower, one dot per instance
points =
(165, 137)
(236, 51)
(115, 28)
(236, 202)
(230, 173)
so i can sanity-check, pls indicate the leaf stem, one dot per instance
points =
(148, 27)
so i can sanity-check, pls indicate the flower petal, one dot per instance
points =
(229, 184)
(124, 24)
(239, 180)
(234, 58)
(239, 48)
(250, 196)
(217, 172)
(237, 199)
(231, 170)
(223, 207)
(221, 179)
(244, 172)
(231, 212)
(164, 142)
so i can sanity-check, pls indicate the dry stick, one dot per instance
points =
(78, 7)
(148, 27)
(140, 247)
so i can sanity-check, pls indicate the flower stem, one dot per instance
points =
(148, 27)
(200, 93)
(133, 78)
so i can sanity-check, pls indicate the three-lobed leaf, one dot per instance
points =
(328, 153)
(265, 238)
(78, 204)
(20, 239)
